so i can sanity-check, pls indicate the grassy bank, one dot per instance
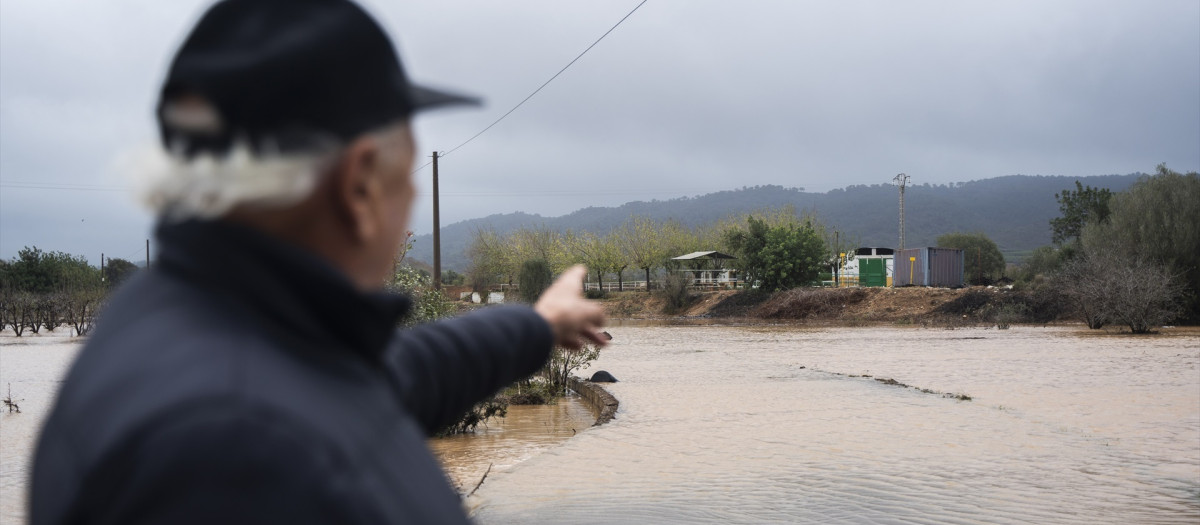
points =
(854, 306)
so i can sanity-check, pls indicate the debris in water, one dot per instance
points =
(8, 402)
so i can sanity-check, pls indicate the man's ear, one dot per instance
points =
(357, 190)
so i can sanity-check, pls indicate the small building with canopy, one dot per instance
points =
(708, 269)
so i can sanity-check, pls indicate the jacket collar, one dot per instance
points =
(283, 282)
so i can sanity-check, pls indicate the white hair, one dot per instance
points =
(208, 186)
(177, 187)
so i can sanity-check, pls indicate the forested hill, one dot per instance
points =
(1014, 211)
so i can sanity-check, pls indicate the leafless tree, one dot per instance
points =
(1081, 281)
(1145, 295)
(563, 362)
(80, 308)
(19, 310)
(48, 310)
(1105, 287)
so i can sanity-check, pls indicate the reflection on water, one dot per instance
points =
(504, 442)
(764, 424)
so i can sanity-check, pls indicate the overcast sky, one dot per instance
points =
(686, 97)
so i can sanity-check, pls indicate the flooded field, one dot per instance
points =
(770, 424)
(767, 424)
(32, 367)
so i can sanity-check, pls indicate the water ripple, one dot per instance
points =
(721, 425)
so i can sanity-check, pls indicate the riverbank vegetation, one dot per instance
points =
(47, 290)
(544, 387)
(776, 246)
(1129, 258)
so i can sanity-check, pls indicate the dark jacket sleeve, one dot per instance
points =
(443, 368)
(221, 465)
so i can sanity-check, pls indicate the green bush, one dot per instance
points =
(778, 257)
(428, 304)
(1044, 261)
(534, 278)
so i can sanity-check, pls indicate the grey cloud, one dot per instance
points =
(686, 97)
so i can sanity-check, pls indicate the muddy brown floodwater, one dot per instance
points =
(505, 442)
(767, 424)
(723, 424)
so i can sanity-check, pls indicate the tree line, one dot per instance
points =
(46, 290)
(776, 249)
(1011, 210)
(1127, 258)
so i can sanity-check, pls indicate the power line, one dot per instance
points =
(49, 186)
(135, 257)
(544, 84)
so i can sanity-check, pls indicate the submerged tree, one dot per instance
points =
(564, 362)
(20, 310)
(80, 309)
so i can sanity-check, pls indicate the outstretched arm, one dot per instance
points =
(444, 368)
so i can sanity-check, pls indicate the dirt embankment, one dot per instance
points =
(852, 305)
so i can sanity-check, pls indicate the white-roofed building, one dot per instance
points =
(708, 269)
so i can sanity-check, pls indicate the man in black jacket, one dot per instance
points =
(254, 373)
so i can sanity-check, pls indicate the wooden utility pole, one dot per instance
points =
(101, 266)
(147, 253)
(437, 230)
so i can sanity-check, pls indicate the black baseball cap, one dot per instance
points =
(281, 72)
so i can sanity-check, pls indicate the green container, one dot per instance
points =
(872, 272)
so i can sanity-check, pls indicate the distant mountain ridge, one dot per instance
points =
(1013, 210)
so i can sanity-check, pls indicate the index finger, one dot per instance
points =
(574, 273)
